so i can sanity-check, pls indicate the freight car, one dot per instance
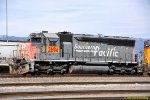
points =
(8, 50)
(147, 55)
(64, 53)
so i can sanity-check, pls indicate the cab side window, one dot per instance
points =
(52, 43)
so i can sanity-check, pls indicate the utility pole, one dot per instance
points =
(6, 23)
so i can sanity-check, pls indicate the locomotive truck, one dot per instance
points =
(68, 53)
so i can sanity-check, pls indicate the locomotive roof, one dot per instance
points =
(147, 43)
(110, 40)
(12, 41)
(5, 43)
(101, 36)
(67, 37)
(51, 35)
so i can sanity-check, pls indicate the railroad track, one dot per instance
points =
(75, 87)
(80, 95)
(69, 75)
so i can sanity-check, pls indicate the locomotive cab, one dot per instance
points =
(49, 51)
(47, 43)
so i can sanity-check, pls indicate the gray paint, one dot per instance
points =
(67, 50)
(104, 52)
(95, 50)
(46, 38)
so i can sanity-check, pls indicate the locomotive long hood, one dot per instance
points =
(108, 40)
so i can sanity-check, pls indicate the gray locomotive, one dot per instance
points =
(64, 53)
(68, 53)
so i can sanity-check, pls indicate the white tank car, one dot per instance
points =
(8, 50)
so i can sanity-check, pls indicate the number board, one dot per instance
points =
(53, 49)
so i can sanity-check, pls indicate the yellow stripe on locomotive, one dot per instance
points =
(147, 52)
(146, 55)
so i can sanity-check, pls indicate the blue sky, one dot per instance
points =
(108, 17)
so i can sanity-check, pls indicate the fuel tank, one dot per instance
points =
(84, 69)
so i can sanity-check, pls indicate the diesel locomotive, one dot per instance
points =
(147, 55)
(68, 53)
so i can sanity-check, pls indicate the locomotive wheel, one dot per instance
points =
(37, 73)
(122, 72)
(148, 73)
(25, 74)
(50, 72)
(140, 73)
(111, 72)
(62, 72)
(32, 74)
(100, 74)
(133, 72)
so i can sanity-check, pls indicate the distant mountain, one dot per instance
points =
(139, 45)
(13, 38)
(139, 48)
